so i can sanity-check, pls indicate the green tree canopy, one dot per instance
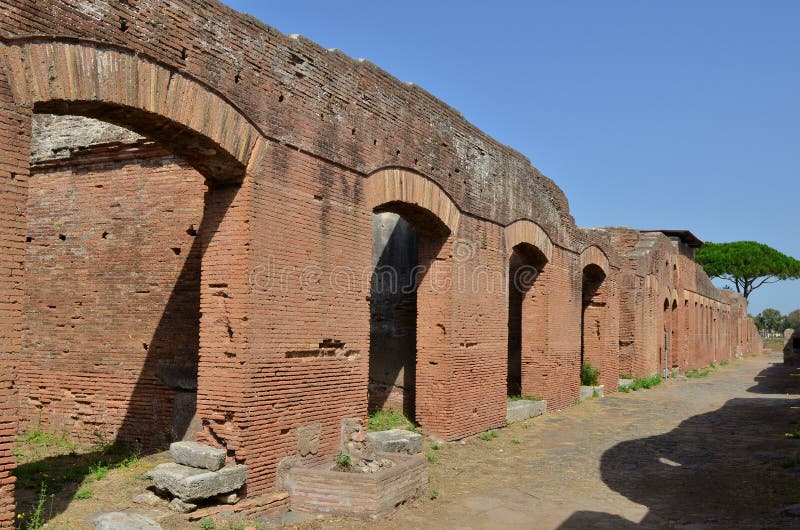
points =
(771, 320)
(746, 264)
(793, 319)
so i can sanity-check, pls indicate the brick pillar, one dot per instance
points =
(223, 382)
(560, 365)
(15, 134)
(434, 331)
(534, 332)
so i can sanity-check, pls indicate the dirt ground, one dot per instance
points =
(708, 452)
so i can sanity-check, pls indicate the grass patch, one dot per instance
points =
(590, 376)
(692, 374)
(646, 382)
(433, 458)
(512, 399)
(343, 460)
(515, 441)
(98, 470)
(206, 523)
(383, 420)
(37, 436)
(793, 435)
(724, 362)
(85, 492)
(434, 494)
(73, 467)
(488, 435)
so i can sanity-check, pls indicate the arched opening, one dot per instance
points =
(118, 229)
(666, 337)
(110, 345)
(673, 347)
(408, 241)
(527, 318)
(132, 236)
(686, 340)
(593, 321)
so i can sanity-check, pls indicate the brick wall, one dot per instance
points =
(298, 147)
(15, 131)
(112, 294)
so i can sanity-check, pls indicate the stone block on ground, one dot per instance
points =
(588, 392)
(524, 409)
(149, 498)
(195, 454)
(191, 484)
(179, 506)
(123, 521)
(395, 441)
(625, 383)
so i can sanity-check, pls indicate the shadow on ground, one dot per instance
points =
(731, 468)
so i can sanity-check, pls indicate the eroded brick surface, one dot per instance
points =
(278, 153)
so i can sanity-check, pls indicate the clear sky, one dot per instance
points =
(653, 114)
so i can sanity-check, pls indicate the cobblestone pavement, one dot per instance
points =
(690, 453)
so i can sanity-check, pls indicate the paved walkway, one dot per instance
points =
(697, 453)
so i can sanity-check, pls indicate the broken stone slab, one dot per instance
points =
(524, 409)
(195, 454)
(123, 521)
(395, 441)
(625, 383)
(191, 484)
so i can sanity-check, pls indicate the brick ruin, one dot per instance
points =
(211, 230)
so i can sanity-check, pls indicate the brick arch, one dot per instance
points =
(525, 231)
(118, 86)
(127, 89)
(528, 308)
(403, 186)
(594, 256)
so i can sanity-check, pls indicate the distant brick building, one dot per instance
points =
(209, 272)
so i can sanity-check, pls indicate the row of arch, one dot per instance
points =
(230, 151)
(417, 226)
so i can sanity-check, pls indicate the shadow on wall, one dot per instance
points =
(393, 314)
(731, 468)
(162, 403)
(791, 350)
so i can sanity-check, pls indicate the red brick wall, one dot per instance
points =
(15, 130)
(535, 343)
(285, 246)
(558, 379)
(112, 292)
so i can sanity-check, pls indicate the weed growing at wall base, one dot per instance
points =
(590, 376)
(488, 435)
(512, 399)
(383, 420)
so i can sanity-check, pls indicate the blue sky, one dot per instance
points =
(669, 114)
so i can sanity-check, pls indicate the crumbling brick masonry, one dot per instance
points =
(207, 270)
